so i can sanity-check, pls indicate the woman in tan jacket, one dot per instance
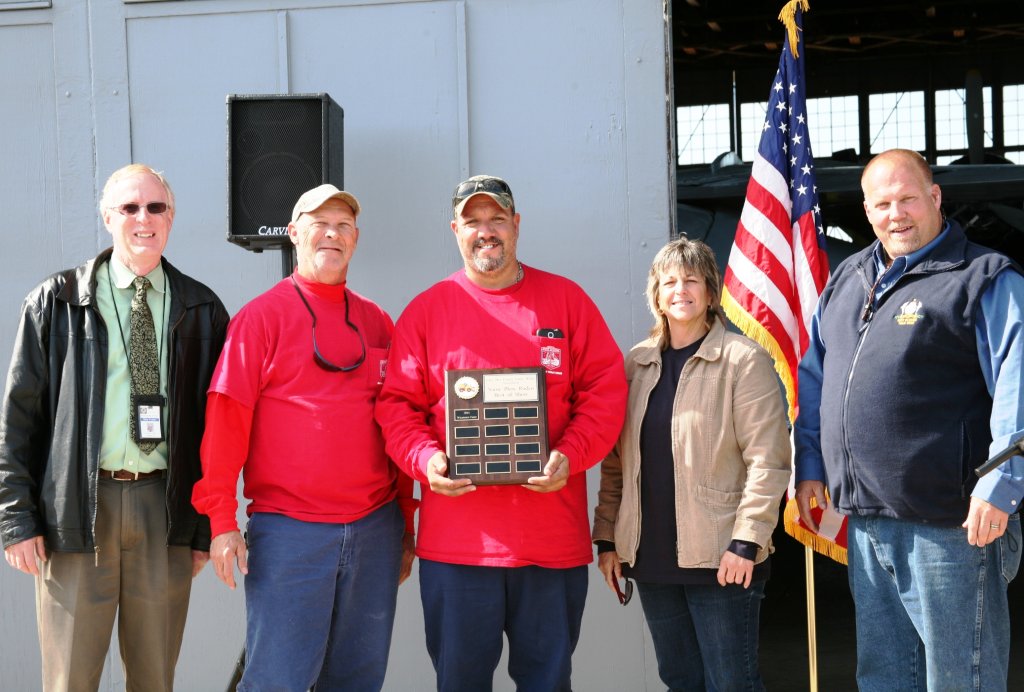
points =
(690, 495)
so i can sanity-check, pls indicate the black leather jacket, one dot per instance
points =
(51, 420)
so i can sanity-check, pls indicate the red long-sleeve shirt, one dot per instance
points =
(456, 324)
(305, 437)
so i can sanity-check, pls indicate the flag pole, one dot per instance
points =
(787, 16)
(778, 264)
(812, 636)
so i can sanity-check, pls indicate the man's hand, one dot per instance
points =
(985, 522)
(556, 475)
(805, 492)
(23, 556)
(440, 483)
(199, 560)
(734, 569)
(408, 555)
(225, 549)
(611, 567)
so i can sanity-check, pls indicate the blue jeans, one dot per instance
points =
(466, 608)
(705, 636)
(931, 609)
(320, 601)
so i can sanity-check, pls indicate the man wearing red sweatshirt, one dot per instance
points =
(292, 401)
(502, 559)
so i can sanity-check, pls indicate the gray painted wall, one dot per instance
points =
(566, 99)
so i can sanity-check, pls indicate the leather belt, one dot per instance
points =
(123, 475)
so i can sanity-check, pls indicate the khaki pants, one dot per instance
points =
(135, 577)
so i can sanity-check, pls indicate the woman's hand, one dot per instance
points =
(611, 567)
(735, 569)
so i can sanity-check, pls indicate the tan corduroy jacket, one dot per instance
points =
(730, 448)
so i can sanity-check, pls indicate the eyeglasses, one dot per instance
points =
(131, 208)
(624, 597)
(471, 187)
(320, 360)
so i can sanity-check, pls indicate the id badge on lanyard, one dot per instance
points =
(149, 419)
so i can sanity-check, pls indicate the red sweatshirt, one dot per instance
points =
(456, 324)
(305, 436)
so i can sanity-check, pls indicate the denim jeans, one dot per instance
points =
(705, 636)
(931, 609)
(466, 608)
(320, 601)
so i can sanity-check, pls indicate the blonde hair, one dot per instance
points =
(691, 256)
(129, 171)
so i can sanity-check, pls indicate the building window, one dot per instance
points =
(752, 117)
(1013, 117)
(951, 123)
(702, 133)
(834, 124)
(895, 120)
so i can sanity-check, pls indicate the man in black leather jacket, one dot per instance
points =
(98, 512)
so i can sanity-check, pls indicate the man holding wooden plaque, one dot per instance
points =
(504, 385)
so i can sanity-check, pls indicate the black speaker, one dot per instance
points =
(279, 146)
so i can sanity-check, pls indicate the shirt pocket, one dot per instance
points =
(376, 367)
(553, 356)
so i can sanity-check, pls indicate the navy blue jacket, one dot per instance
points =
(904, 407)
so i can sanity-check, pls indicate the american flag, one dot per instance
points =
(778, 266)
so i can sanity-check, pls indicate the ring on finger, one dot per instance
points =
(994, 526)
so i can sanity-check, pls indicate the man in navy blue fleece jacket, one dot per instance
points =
(913, 377)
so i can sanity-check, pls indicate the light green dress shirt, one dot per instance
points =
(114, 291)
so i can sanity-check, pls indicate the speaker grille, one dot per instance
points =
(279, 147)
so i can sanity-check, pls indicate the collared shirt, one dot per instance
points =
(1000, 340)
(114, 292)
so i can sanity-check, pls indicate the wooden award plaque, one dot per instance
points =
(497, 424)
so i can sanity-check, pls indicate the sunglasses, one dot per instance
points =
(624, 597)
(321, 360)
(131, 208)
(471, 187)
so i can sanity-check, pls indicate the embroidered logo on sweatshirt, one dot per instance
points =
(910, 313)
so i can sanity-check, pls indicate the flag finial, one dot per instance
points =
(788, 18)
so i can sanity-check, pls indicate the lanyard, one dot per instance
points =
(117, 315)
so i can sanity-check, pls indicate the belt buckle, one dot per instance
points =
(132, 477)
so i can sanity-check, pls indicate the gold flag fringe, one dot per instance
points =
(808, 537)
(756, 331)
(788, 17)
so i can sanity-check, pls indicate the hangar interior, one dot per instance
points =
(939, 77)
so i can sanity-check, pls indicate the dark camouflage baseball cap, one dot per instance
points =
(494, 187)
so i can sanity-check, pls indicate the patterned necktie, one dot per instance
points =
(143, 363)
